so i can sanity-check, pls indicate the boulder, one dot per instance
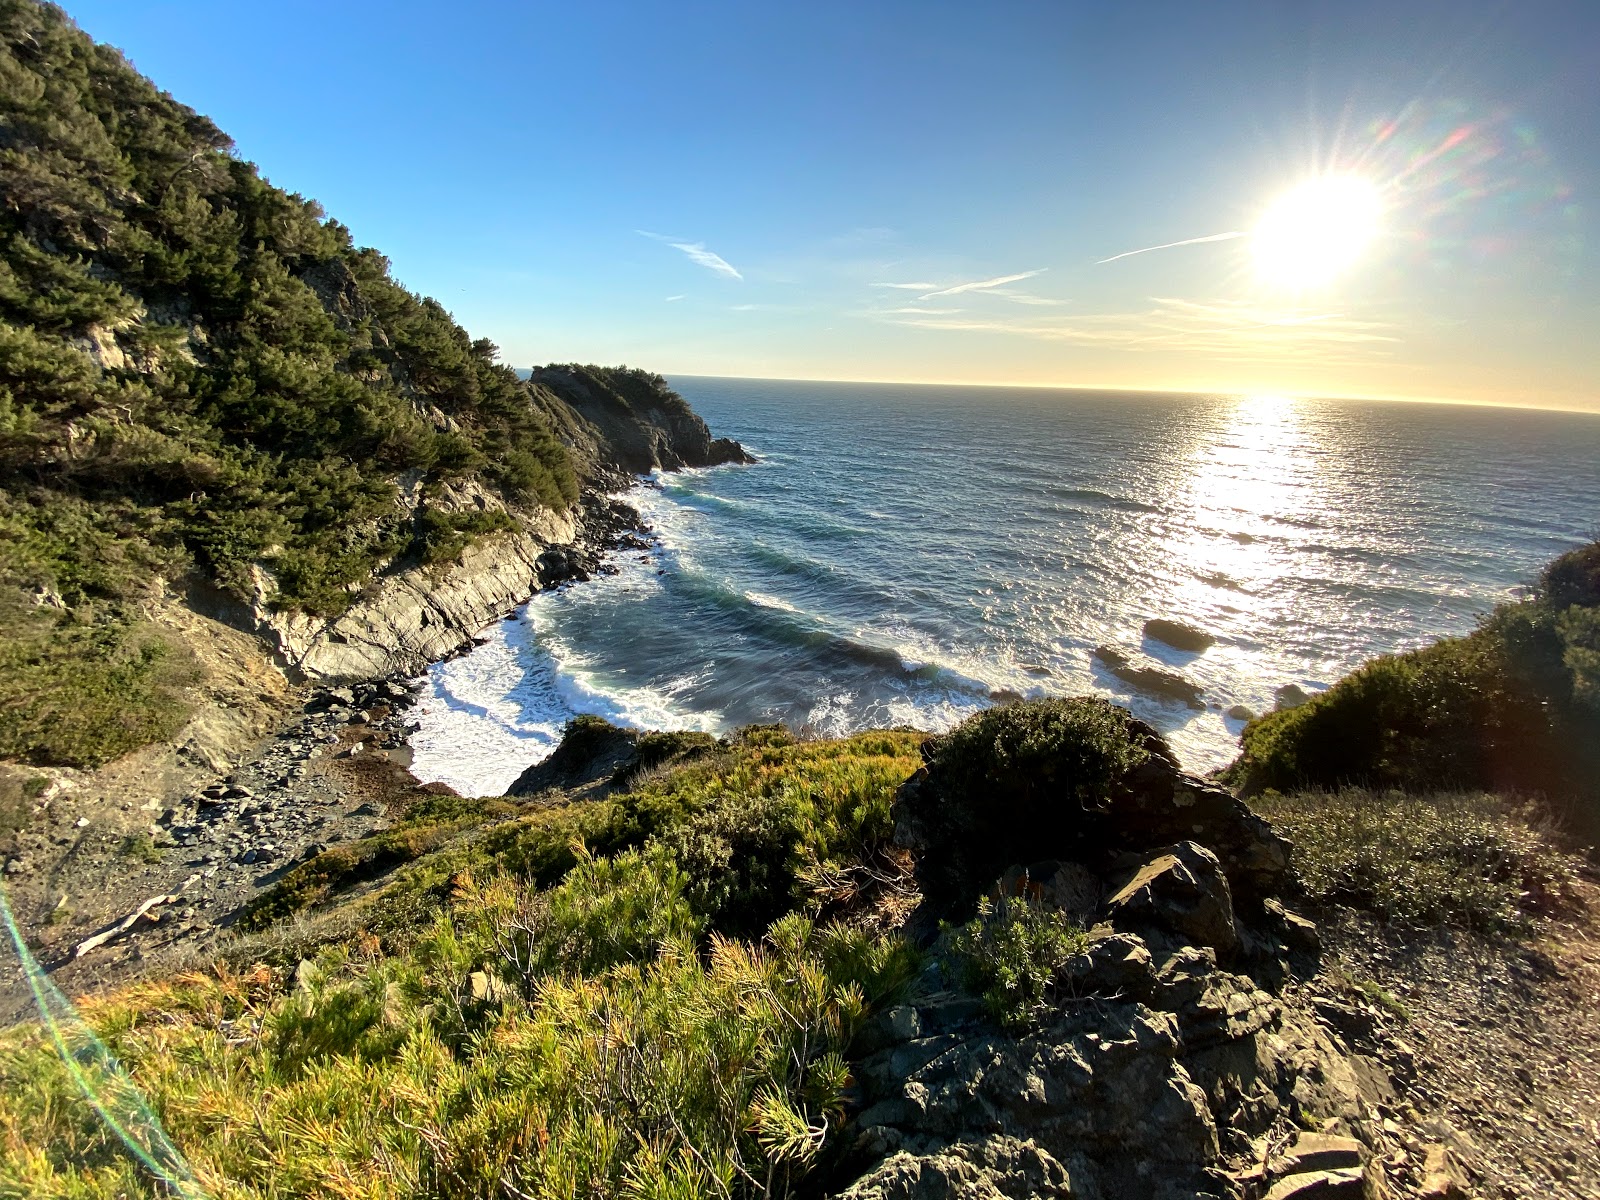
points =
(1290, 695)
(1179, 889)
(1239, 712)
(1178, 635)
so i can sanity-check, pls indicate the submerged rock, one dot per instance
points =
(1178, 635)
(1153, 681)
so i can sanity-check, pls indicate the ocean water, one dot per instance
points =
(906, 555)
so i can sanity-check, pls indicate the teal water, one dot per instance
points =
(906, 555)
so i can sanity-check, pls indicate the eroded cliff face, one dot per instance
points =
(616, 424)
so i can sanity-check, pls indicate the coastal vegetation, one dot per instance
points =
(632, 996)
(202, 377)
(1513, 707)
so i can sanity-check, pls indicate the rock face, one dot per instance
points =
(1170, 1077)
(634, 421)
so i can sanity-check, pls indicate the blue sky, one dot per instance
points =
(731, 188)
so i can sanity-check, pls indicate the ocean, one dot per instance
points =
(908, 555)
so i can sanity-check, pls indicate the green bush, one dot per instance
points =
(1012, 779)
(80, 691)
(1512, 707)
(1009, 955)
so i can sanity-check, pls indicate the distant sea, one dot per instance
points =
(906, 555)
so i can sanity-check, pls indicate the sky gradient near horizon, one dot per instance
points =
(926, 191)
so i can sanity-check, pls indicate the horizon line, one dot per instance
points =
(1290, 393)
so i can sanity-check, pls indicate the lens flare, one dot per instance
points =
(1315, 232)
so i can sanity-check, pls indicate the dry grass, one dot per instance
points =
(1466, 859)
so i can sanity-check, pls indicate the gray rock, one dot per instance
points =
(1290, 695)
(1181, 889)
(1178, 635)
(1153, 681)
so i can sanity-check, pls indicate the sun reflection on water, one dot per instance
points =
(1258, 475)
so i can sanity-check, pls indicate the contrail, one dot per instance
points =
(1215, 237)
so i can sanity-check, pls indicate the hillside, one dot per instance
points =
(210, 394)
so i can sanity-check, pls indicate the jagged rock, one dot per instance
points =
(1442, 1177)
(1128, 1088)
(1180, 888)
(1153, 681)
(1178, 635)
(591, 750)
(1321, 1185)
(995, 1167)
(1319, 1152)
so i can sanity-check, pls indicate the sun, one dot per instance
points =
(1316, 231)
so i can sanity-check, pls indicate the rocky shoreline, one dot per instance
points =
(333, 770)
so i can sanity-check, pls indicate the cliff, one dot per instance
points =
(210, 396)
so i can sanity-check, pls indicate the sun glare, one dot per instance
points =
(1315, 232)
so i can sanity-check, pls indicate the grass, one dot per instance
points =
(663, 1075)
(140, 847)
(627, 1047)
(1465, 859)
(77, 690)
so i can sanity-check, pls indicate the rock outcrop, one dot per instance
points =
(1178, 635)
(967, 821)
(1172, 1056)
(632, 421)
(1153, 681)
(592, 750)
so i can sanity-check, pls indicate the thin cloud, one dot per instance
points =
(1210, 237)
(697, 253)
(981, 285)
(675, 299)
(914, 310)
(1024, 297)
(1232, 330)
(930, 291)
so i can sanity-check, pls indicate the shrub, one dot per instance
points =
(662, 1075)
(1009, 955)
(1513, 707)
(1013, 779)
(1465, 859)
(79, 690)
